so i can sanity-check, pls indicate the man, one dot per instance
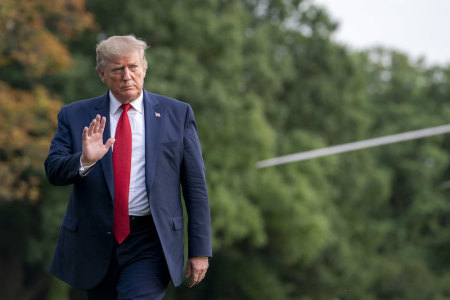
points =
(126, 154)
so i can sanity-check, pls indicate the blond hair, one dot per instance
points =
(120, 46)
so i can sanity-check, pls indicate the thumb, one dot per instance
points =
(189, 270)
(109, 142)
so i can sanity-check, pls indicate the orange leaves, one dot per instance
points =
(33, 33)
(68, 17)
(26, 121)
(33, 37)
(49, 57)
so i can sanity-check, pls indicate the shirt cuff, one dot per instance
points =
(84, 170)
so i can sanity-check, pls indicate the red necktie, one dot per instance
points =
(122, 167)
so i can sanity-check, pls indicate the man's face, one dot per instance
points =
(124, 77)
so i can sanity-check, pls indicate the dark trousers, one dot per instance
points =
(138, 269)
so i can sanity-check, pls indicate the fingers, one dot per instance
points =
(84, 135)
(97, 125)
(189, 270)
(196, 278)
(91, 127)
(102, 125)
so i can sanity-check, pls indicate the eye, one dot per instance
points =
(117, 70)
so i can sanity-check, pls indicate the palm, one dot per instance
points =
(93, 147)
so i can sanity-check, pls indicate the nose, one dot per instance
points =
(126, 74)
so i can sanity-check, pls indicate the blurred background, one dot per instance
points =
(265, 78)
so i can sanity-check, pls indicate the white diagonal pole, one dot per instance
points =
(389, 139)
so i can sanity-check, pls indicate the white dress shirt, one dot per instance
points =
(138, 204)
(138, 201)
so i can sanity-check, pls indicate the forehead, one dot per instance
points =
(132, 58)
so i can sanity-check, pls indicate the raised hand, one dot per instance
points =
(93, 148)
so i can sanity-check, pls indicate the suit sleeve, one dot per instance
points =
(62, 165)
(194, 191)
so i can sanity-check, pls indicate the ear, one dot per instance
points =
(145, 73)
(101, 74)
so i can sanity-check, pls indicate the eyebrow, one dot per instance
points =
(121, 65)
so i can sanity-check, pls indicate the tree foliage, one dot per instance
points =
(33, 45)
(26, 118)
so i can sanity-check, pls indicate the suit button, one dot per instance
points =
(108, 232)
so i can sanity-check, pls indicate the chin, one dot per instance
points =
(130, 95)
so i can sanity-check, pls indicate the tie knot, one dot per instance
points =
(126, 107)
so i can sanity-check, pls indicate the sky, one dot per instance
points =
(419, 28)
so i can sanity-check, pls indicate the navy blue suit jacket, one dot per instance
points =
(172, 157)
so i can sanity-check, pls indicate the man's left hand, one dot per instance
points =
(196, 269)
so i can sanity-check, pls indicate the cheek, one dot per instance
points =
(140, 80)
(114, 85)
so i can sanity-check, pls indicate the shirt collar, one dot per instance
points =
(137, 104)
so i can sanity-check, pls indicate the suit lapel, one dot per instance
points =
(153, 117)
(106, 162)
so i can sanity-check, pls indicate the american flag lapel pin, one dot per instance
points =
(157, 114)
